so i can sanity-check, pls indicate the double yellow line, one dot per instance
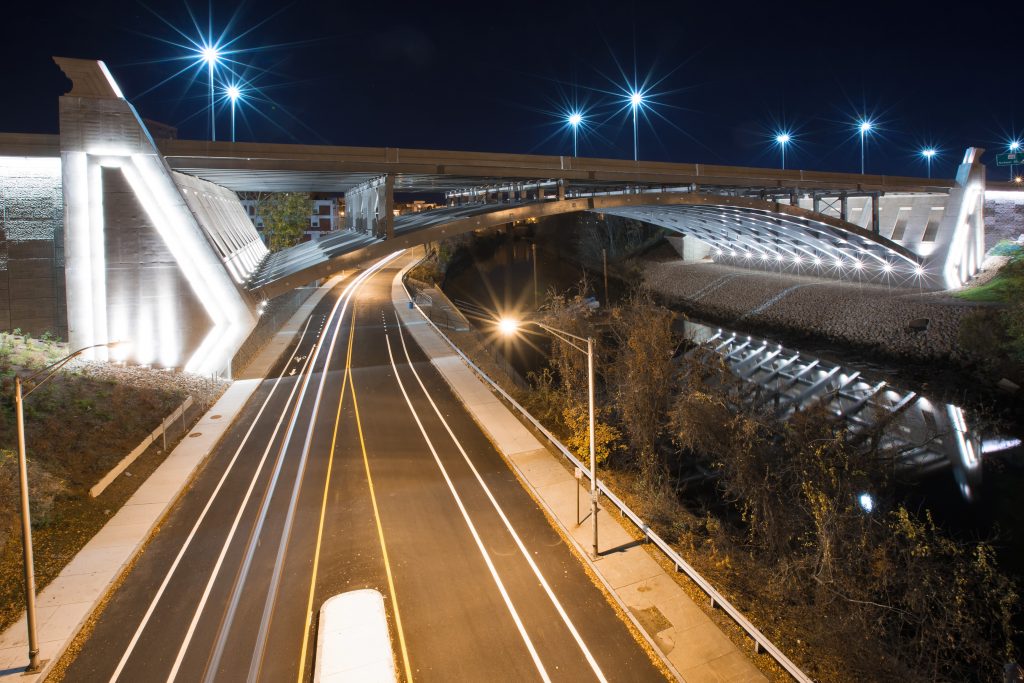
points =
(347, 379)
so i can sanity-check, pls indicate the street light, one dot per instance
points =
(636, 100)
(1013, 146)
(508, 327)
(211, 55)
(233, 93)
(864, 126)
(928, 154)
(783, 139)
(26, 517)
(575, 119)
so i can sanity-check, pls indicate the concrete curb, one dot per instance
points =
(66, 605)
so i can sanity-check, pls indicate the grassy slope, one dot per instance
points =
(78, 426)
(1007, 283)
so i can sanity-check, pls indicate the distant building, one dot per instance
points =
(415, 206)
(326, 214)
(161, 131)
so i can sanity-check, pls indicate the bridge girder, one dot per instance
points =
(741, 214)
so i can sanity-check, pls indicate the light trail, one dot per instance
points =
(209, 503)
(501, 513)
(472, 527)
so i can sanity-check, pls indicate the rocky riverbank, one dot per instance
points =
(873, 317)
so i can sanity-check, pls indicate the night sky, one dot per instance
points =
(722, 76)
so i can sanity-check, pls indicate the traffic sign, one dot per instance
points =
(1010, 159)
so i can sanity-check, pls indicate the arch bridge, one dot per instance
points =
(159, 249)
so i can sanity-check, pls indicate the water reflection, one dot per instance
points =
(924, 436)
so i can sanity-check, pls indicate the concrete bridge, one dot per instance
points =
(157, 248)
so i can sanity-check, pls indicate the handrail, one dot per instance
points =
(761, 642)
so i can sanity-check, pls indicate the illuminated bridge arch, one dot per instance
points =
(744, 230)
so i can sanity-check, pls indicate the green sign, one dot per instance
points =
(1010, 159)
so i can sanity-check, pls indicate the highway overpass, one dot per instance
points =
(157, 248)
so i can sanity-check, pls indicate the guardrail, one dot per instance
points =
(761, 642)
(127, 460)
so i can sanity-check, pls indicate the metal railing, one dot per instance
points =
(761, 642)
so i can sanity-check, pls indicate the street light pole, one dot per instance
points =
(508, 327)
(862, 131)
(636, 99)
(213, 111)
(928, 154)
(536, 304)
(782, 139)
(864, 127)
(636, 154)
(26, 533)
(26, 516)
(593, 448)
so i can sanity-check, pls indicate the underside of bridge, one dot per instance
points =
(159, 249)
(740, 228)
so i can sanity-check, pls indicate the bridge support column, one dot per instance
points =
(844, 206)
(875, 227)
(370, 207)
(561, 189)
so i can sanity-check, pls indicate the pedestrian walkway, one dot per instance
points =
(66, 604)
(694, 648)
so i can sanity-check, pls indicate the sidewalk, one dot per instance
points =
(67, 603)
(692, 645)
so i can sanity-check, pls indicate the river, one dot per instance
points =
(500, 278)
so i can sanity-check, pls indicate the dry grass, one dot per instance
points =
(77, 427)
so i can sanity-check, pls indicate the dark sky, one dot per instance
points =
(494, 76)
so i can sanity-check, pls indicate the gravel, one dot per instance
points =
(872, 316)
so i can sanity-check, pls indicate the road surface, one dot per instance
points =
(354, 466)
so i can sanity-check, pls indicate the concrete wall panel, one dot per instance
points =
(31, 246)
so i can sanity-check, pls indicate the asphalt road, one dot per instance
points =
(353, 466)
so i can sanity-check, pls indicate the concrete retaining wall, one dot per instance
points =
(32, 246)
(1004, 217)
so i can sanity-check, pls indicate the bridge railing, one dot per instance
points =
(719, 601)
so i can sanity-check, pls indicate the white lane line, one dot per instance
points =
(501, 513)
(209, 503)
(213, 663)
(304, 373)
(275, 582)
(469, 523)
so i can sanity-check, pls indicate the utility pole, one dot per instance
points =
(604, 259)
(533, 247)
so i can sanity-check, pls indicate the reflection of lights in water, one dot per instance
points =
(964, 444)
(996, 445)
(867, 503)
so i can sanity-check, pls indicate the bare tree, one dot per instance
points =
(642, 377)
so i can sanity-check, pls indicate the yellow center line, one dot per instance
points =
(323, 507)
(380, 533)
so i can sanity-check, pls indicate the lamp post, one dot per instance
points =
(864, 127)
(575, 119)
(234, 93)
(26, 517)
(508, 327)
(1013, 146)
(210, 54)
(636, 98)
(783, 139)
(928, 154)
